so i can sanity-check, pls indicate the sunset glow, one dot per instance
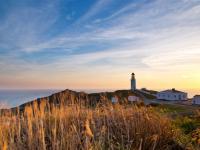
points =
(98, 44)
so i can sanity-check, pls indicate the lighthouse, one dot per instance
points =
(133, 82)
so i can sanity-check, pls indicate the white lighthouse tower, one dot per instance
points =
(133, 82)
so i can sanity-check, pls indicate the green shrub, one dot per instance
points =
(186, 124)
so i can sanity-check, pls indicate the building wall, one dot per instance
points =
(196, 100)
(172, 96)
(133, 98)
(114, 99)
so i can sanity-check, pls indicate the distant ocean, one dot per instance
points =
(12, 98)
(192, 92)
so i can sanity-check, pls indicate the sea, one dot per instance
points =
(12, 98)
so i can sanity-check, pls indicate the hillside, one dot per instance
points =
(69, 97)
(78, 120)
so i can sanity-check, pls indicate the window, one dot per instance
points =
(180, 97)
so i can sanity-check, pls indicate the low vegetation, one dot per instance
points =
(76, 127)
(186, 120)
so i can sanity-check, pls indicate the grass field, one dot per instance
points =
(106, 127)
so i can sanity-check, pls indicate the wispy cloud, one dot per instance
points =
(26, 26)
(156, 35)
(98, 7)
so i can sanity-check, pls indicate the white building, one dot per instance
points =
(133, 99)
(196, 100)
(114, 99)
(133, 82)
(172, 95)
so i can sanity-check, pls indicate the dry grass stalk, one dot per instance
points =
(75, 127)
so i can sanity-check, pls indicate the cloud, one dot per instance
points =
(26, 26)
(156, 35)
(94, 10)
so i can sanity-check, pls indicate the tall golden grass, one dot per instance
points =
(43, 127)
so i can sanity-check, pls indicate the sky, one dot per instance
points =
(97, 44)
